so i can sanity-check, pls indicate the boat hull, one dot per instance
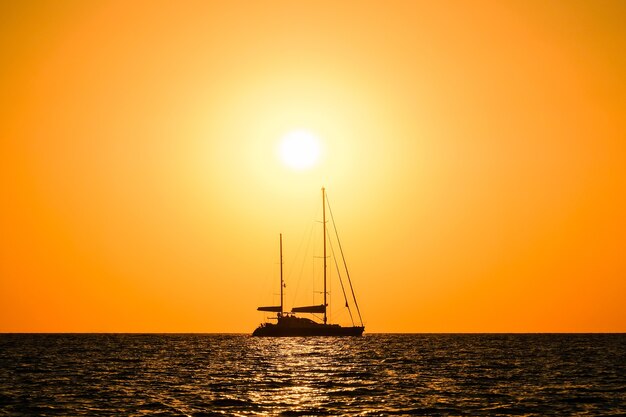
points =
(276, 330)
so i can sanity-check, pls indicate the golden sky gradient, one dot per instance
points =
(474, 154)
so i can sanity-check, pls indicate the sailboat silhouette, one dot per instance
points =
(288, 324)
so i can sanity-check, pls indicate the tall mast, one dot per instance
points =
(281, 274)
(324, 234)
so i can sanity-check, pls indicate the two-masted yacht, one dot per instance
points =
(290, 324)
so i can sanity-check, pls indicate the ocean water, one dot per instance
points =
(377, 374)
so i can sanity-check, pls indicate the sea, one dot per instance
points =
(373, 375)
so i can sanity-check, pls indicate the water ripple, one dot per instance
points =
(209, 375)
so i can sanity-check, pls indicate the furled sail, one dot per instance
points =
(309, 309)
(273, 309)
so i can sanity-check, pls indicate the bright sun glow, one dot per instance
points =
(299, 149)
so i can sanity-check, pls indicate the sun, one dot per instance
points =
(299, 149)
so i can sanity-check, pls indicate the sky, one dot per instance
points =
(474, 154)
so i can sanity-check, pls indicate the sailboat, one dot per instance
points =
(289, 324)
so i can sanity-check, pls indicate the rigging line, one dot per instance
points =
(343, 290)
(344, 260)
(307, 230)
(304, 259)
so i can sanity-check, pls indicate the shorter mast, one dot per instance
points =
(281, 275)
(281, 308)
(324, 233)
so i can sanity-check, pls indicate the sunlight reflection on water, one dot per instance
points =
(201, 375)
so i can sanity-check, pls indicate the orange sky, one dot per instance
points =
(474, 153)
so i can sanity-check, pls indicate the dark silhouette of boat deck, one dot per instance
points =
(290, 325)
